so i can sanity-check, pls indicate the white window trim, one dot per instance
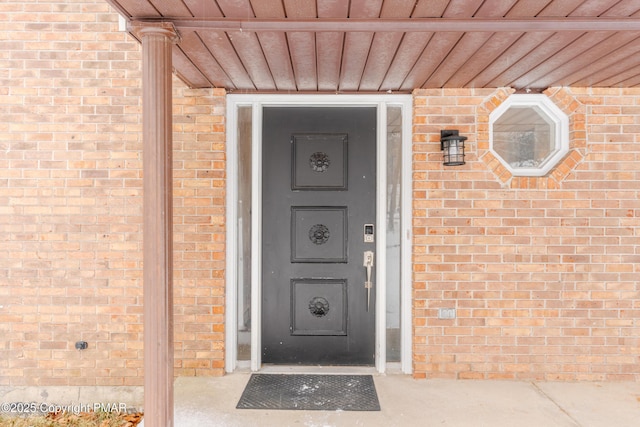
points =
(553, 113)
(257, 102)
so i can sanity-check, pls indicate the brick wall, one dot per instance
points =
(544, 272)
(199, 227)
(70, 203)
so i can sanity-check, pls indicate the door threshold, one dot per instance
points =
(393, 368)
(327, 370)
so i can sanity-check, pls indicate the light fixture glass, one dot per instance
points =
(452, 146)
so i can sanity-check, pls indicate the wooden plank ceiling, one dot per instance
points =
(343, 46)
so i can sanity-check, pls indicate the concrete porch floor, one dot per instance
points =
(201, 402)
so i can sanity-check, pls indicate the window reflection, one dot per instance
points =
(394, 186)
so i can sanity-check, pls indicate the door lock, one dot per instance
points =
(368, 233)
(368, 264)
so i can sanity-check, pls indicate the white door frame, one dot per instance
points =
(257, 102)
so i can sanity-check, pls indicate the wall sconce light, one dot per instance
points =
(452, 145)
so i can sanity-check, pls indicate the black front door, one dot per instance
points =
(318, 198)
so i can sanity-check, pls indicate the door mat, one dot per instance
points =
(310, 392)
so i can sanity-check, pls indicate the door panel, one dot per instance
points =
(319, 183)
(319, 234)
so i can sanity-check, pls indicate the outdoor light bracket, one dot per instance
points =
(449, 134)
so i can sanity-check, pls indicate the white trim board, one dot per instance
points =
(257, 102)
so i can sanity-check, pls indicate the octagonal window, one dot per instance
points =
(529, 134)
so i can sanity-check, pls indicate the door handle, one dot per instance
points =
(368, 264)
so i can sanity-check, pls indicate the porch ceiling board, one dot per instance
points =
(329, 46)
(398, 45)
(249, 50)
(302, 47)
(204, 9)
(357, 46)
(594, 8)
(333, 9)
(356, 51)
(274, 45)
(170, 8)
(458, 58)
(380, 57)
(496, 71)
(436, 52)
(497, 8)
(268, 8)
(610, 65)
(409, 52)
(202, 58)
(219, 44)
(384, 45)
(634, 81)
(483, 58)
(397, 8)
(430, 8)
(557, 8)
(276, 51)
(624, 8)
(329, 53)
(462, 8)
(248, 47)
(510, 57)
(534, 57)
(583, 53)
(303, 51)
(187, 70)
(135, 8)
(620, 78)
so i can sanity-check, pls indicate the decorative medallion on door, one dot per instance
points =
(319, 234)
(322, 152)
(319, 161)
(318, 306)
